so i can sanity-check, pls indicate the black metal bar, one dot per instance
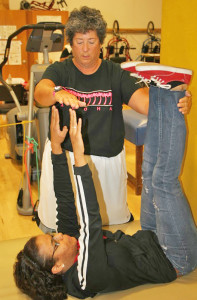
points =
(45, 26)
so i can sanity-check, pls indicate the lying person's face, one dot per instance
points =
(62, 248)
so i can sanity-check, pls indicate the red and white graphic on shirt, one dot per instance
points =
(97, 98)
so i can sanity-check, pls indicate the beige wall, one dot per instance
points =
(129, 13)
(134, 13)
(179, 44)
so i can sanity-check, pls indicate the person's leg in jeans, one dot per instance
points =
(176, 229)
(147, 218)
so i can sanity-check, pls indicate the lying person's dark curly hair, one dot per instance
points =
(33, 276)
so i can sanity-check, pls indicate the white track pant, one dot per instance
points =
(110, 179)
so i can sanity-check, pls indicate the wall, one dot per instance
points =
(179, 44)
(129, 13)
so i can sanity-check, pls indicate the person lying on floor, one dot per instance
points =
(85, 262)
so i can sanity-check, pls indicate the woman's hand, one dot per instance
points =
(44, 95)
(57, 135)
(76, 139)
(185, 103)
(68, 99)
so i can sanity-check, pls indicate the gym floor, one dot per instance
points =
(13, 225)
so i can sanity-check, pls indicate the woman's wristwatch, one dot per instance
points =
(57, 89)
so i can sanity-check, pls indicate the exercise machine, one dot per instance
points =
(45, 38)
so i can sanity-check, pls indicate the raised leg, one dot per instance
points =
(147, 219)
(176, 229)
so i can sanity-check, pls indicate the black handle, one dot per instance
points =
(42, 25)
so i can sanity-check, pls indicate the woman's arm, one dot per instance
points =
(93, 270)
(66, 211)
(139, 101)
(46, 96)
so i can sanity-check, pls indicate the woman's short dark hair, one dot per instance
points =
(32, 274)
(83, 20)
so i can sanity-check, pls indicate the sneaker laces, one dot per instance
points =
(160, 83)
(141, 79)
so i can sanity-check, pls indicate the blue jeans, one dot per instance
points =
(164, 208)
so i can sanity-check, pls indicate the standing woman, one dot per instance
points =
(97, 89)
